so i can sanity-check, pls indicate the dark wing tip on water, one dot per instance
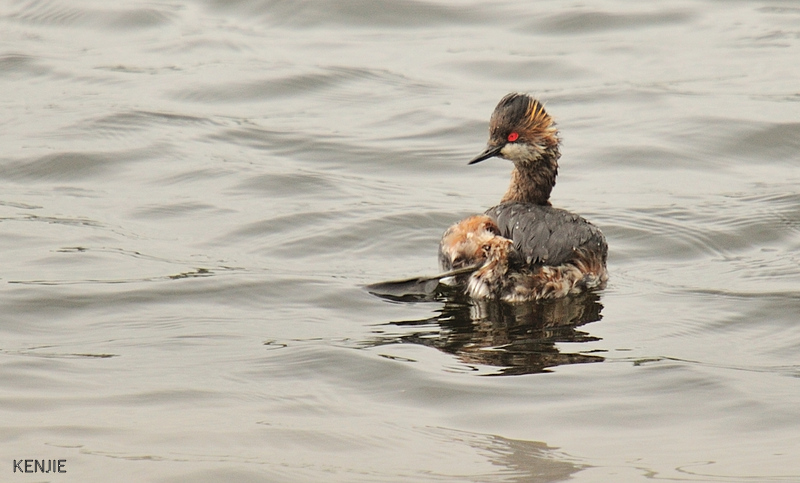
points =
(414, 289)
(419, 288)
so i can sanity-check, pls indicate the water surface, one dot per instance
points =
(195, 192)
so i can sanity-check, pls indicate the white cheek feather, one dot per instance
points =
(514, 151)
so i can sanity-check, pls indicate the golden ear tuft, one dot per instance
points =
(540, 123)
(537, 116)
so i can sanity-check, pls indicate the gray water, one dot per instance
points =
(194, 194)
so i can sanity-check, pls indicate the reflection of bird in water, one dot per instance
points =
(524, 248)
(519, 338)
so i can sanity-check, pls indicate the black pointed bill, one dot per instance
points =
(489, 152)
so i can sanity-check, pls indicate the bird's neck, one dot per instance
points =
(532, 182)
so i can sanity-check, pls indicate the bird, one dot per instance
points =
(524, 249)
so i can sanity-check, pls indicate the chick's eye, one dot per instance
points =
(513, 137)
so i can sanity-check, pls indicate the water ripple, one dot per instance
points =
(363, 13)
(23, 66)
(55, 13)
(71, 165)
(583, 21)
(288, 86)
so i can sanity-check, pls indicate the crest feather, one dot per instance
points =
(522, 112)
(539, 122)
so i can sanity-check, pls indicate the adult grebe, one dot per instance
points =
(525, 249)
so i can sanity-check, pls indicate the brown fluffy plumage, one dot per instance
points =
(504, 272)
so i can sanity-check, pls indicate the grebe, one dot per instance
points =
(523, 248)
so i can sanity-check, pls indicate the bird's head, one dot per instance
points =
(521, 131)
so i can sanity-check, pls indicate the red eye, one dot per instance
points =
(513, 137)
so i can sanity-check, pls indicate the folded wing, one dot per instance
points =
(543, 235)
